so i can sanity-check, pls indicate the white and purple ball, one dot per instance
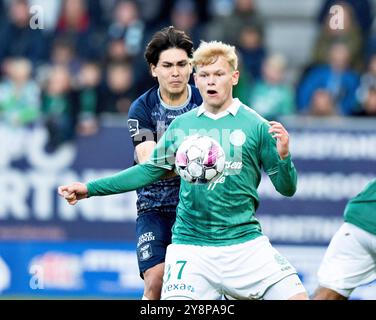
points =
(199, 159)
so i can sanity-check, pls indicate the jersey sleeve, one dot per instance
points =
(141, 175)
(133, 178)
(164, 153)
(282, 173)
(140, 125)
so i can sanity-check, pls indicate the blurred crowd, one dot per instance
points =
(87, 60)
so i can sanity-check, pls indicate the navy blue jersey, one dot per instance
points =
(148, 119)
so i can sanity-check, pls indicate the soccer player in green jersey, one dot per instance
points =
(350, 260)
(218, 247)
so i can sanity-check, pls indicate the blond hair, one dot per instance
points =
(208, 53)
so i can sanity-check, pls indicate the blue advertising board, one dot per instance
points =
(335, 159)
(93, 240)
(73, 269)
(30, 208)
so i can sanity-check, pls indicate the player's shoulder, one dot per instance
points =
(145, 102)
(191, 114)
(185, 118)
(250, 114)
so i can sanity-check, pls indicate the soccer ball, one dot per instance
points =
(199, 159)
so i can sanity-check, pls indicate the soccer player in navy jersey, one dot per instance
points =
(168, 56)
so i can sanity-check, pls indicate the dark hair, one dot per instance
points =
(167, 38)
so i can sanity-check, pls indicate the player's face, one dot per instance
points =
(172, 71)
(215, 82)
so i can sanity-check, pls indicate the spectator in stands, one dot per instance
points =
(271, 97)
(155, 13)
(51, 12)
(116, 50)
(184, 17)
(252, 51)
(127, 25)
(362, 12)
(88, 98)
(351, 35)
(322, 104)
(59, 110)
(63, 53)
(368, 106)
(228, 28)
(370, 46)
(367, 81)
(336, 77)
(17, 39)
(19, 95)
(74, 23)
(118, 92)
(241, 90)
(100, 12)
(126, 38)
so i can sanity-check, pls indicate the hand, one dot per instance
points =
(73, 192)
(278, 131)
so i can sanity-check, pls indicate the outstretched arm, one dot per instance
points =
(144, 151)
(127, 180)
(141, 175)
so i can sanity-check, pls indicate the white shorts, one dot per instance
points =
(250, 270)
(349, 261)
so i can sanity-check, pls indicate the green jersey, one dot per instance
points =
(361, 210)
(223, 212)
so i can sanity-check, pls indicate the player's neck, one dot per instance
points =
(218, 109)
(174, 100)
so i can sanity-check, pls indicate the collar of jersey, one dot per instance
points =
(232, 109)
(176, 107)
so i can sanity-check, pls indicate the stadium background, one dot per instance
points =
(69, 70)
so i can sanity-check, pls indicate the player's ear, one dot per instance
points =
(235, 77)
(152, 70)
(195, 78)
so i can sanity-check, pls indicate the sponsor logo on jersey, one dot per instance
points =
(133, 127)
(232, 165)
(178, 287)
(231, 168)
(145, 237)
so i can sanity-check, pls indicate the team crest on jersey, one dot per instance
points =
(133, 127)
(145, 252)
